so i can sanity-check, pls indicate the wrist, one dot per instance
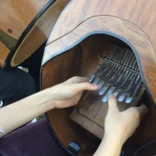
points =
(114, 139)
(48, 98)
(111, 145)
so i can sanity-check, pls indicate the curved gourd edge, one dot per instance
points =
(113, 35)
(65, 8)
(7, 63)
(50, 125)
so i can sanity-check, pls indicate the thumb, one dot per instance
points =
(84, 86)
(112, 104)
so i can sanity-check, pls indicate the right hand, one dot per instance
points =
(122, 124)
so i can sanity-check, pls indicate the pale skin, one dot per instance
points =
(68, 94)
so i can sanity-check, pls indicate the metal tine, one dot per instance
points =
(130, 98)
(119, 82)
(99, 70)
(132, 61)
(113, 53)
(125, 55)
(112, 85)
(121, 56)
(100, 85)
(104, 72)
(112, 77)
(105, 89)
(125, 77)
(91, 78)
(110, 91)
(96, 81)
(126, 73)
(123, 95)
(105, 77)
(109, 75)
(132, 88)
(129, 86)
(118, 77)
(110, 49)
(130, 58)
(136, 67)
(118, 55)
(116, 92)
(124, 83)
(115, 76)
(102, 91)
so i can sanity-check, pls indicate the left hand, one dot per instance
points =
(68, 93)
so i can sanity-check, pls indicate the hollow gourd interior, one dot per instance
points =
(81, 60)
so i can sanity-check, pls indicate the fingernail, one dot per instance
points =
(96, 86)
(111, 96)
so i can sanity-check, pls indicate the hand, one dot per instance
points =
(122, 124)
(68, 93)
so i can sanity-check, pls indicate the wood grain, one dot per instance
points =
(122, 28)
(81, 60)
(15, 16)
(54, 72)
(38, 34)
(84, 57)
(140, 13)
(4, 53)
(131, 21)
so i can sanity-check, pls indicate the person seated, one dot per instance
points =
(36, 138)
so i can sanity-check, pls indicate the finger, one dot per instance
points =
(84, 86)
(142, 110)
(112, 104)
(76, 79)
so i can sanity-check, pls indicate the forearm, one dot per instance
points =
(110, 146)
(23, 111)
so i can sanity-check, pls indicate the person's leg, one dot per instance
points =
(31, 140)
(34, 139)
(15, 84)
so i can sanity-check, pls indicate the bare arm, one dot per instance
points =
(60, 96)
(23, 111)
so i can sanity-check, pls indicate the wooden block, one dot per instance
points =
(91, 111)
